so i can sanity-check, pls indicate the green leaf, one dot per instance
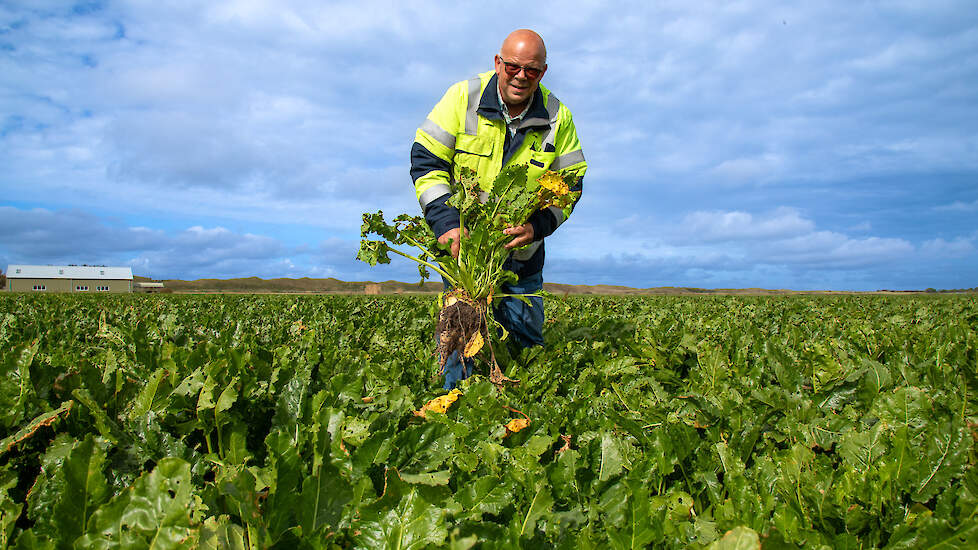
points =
(935, 533)
(538, 507)
(863, 449)
(636, 530)
(49, 485)
(29, 541)
(944, 459)
(144, 400)
(431, 478)
(373, 252)
(239, 488)
(106, 427)
(291, 399)
(84, 489)
(611, 457)
(325, 495)
(738, 538)
(284, 502)
(45, 419)
(205, 399)
(613, 504)
(732, 465)
(485, 495)
(423, 448)
(9, 510)
(404, 517)
(221, 534)
(155, 512)
(15, 383)
(227, 398)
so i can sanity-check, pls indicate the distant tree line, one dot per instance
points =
(3, 280)
(958, 290)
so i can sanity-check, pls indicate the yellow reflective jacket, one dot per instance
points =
(466, 129)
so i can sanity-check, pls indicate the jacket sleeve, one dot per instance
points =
(569, 159)
(431, 159)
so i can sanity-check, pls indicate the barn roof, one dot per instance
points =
(68, 272)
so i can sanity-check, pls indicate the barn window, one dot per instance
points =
(81, 288)
(39, 287)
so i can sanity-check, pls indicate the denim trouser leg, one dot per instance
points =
(456, 371)
(456, 368)
(524, 323)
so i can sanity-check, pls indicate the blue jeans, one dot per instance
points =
(524, 323)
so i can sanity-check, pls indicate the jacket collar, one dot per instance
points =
(536, 115)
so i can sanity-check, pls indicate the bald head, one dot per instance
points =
(524, 41)
(520, 66)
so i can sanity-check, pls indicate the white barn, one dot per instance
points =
(68, 278)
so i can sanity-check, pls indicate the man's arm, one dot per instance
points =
(431, 161)
(569, 159)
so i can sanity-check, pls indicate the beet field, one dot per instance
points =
(182, 421)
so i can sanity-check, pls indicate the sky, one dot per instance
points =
(812, 145)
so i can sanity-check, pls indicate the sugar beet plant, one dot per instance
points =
(476, 274)
(677, 422)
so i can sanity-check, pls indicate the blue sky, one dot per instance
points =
(825, 145)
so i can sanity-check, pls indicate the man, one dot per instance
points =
(499, 118)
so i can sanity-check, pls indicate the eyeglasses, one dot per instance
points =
(512, 69)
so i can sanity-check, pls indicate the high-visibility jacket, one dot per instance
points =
(466, 129)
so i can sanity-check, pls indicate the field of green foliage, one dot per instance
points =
(666, 422)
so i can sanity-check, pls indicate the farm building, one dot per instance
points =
(148, 287)
(68, 278)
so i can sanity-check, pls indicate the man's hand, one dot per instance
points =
(452, 236)
(523, 235)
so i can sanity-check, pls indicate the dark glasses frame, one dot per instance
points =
(512, 69)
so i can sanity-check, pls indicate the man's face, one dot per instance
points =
(515, 85)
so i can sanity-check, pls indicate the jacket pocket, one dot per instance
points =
(539, 163)
(473, 152)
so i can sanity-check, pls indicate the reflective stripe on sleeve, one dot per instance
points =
(558, 215)
(525, 254)
(432, 193)
(439, 134)
(570, 159)
(471, 112)
(553, 109)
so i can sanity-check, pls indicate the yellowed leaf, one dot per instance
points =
(516, 425)
(474, 345)
(439, 404)
(553, 182)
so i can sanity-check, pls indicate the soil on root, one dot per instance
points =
(457, 323)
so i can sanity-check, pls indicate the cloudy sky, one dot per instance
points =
(825, 145)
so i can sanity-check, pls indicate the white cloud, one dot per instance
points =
(830, 249)
(757, 168)
(959, 206)
(720, 226)
(41, 236)
(724, 249)
(301, 114)
(957, 248)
